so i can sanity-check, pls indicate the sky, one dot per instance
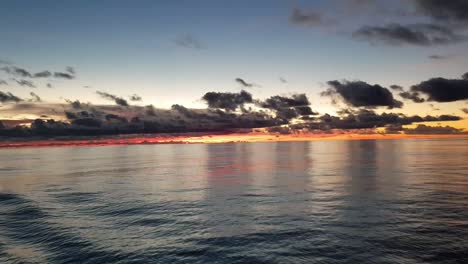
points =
(174, 52)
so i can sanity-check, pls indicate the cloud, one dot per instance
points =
(94, 120)
(413, 34)
(184, 111)
(396, 87)
(118, 100)
(3, 82)
(288, 107)
(434, 130)
(364, 119)
(35, 97)
(362, 94)
(413, 96)
(75, 104)
(227, 101)
(43, 74)
(64, 75)
(283, 80)
(443, 90)
(226, 112)
(445, 11)
(188, 41)
(26, 83)
(23, 73)
(87, 122)
(48, 85)
(305, 18)
(244, 83)
(20, 72)
(464, 110)
(135, 98)
(8, 97)
(150, 110)
(305, 110)
(115, 118)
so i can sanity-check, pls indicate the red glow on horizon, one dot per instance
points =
(210, 139)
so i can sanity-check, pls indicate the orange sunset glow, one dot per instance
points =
(213, 139)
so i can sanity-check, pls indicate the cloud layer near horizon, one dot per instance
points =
(226, 112)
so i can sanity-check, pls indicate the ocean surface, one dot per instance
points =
(372, 201)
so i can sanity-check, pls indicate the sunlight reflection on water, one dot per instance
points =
(301, 202)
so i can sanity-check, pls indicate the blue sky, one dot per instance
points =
(126, 47)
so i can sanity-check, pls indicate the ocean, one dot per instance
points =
(369, 201)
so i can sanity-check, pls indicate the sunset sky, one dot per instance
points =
(174, 52)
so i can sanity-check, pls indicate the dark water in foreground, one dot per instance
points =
(317, 202)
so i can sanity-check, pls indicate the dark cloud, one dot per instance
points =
(287, 108)
(17, 71)
(26, 83)
(188, 41)
(42, 74)
(443, 90)
(111, 120)
(35, 97)
(135, 98)
(446, 11)
(78, 114)
(115, 118)
(283, 80)
(278, 102)
(3, 82)
(70, 115)
(413, 34)
(75, 104)
(396, 87)
(227, 101)
(118, 100)
(23, 73)
(184, 111)
(413, 96)
(244, 83)
(305, 110)
(393, 129)
(64, 75)
(8, 97)
(464, 110)
(364, 119)
(150, 110)
(433, 130)
(48, 85)
(306, 18)
(226, 112)
(87, 122)
(362, 94)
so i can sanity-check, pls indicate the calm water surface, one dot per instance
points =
(369, 201)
